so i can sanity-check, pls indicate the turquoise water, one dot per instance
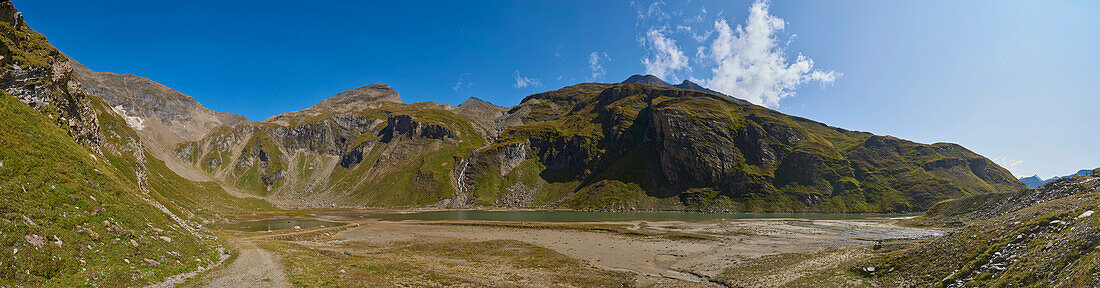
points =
(580, 216)
(276, 224)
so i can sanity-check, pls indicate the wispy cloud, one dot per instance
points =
(594, 64)
(665, 57)
(1016, 167)
(524, 82)
(652, 11)
(461, 81)
(750, 63)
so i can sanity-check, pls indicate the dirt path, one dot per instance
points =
(253, 267)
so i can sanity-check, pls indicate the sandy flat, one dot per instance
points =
(657, 258)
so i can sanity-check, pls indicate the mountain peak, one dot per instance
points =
(687, 84)
(360, 96)
(646, 79)
(474, 101)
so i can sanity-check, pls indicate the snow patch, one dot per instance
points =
(133, 121)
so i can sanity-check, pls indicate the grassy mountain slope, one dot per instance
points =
(636, 146)
(71, 218)
(1047, 237)
(82, 203)
(590, 146)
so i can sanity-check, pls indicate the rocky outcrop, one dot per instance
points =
(331, 136)
(398, 126)
(664, 142)
(38, 74)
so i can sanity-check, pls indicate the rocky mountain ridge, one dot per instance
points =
(591, 146)
(166, 115)
(687, 84)
(581, 147)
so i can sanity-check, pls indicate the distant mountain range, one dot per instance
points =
(1035, 181)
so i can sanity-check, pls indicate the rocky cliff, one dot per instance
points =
(38, 74)
(588, 146)
(644, 147)
(371, 150)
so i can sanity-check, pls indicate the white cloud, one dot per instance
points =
(666, 58)
(594, 64)
(524, 82)
(749, 64)
(653, 11)
(1016, 167)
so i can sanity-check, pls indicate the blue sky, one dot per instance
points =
(1016, 81)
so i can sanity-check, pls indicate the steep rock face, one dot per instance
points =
(587, 146)
(380, 154)
(639, 146)
(154, 109)
(38, 74)
(405, 126)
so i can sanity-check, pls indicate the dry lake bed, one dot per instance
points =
(544, 248)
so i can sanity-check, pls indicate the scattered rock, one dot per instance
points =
(92, 233)
(133, 243)
(35, 240)
(28, 220)
(1083, 215)
(151, 262)
(165, 239)
(57, 241)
